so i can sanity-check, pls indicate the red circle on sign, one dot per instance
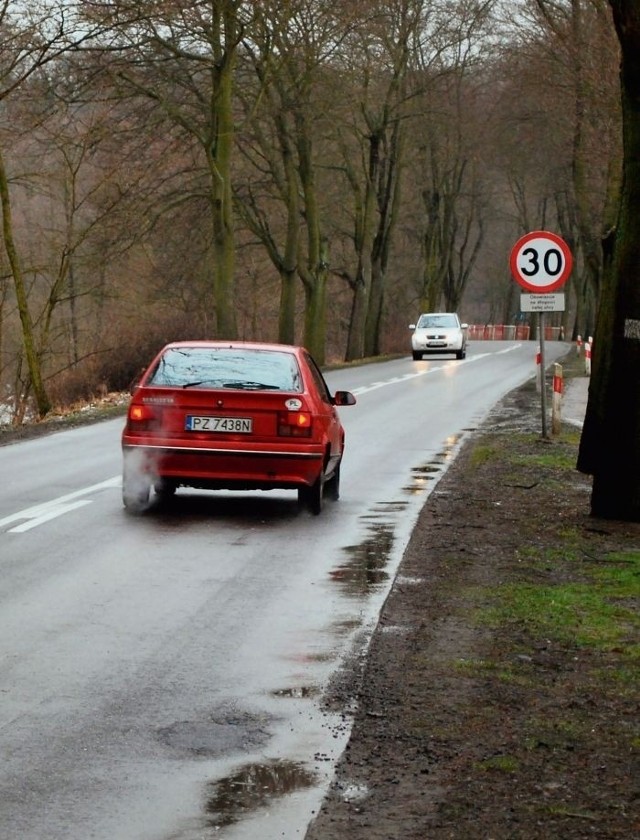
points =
(541, 261)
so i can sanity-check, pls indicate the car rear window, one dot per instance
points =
(227, 367)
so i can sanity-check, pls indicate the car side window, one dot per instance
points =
(323, 389)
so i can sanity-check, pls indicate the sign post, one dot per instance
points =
(541, 262)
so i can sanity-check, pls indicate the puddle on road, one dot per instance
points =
(385, 508)
(365, 567)
(425, 473)
(254, 786)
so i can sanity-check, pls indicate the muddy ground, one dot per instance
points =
(472, 727)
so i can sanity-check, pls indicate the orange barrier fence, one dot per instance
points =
(499, 332)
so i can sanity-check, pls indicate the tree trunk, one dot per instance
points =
(314, 273)
(364, 237)
(43, 404)
(315, 314)
(219, 152)
(610, 443)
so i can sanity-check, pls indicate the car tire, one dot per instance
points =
(313, 497)
(416, 356)
(136, 492)
(332, 486)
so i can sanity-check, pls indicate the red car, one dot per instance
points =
(235, 415)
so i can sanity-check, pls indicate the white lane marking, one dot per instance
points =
(395, 379)
(37, 514)
(52, 514)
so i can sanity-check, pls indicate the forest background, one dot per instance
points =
(301, 171)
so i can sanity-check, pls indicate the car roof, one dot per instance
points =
(245, 345)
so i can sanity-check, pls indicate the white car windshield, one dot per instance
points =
(430, 321)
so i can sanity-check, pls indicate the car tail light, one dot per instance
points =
(143, 418)
(294, 424)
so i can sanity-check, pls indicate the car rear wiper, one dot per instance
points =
(251, 386)
(247, 386)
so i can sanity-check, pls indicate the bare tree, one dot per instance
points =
(371, 141)
(452, 194)
(183, 58)
(448, 82)
(610, 442)
(572, 52)
(294, 56)
(31, 36)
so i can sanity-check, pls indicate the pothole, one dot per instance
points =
(216, 736)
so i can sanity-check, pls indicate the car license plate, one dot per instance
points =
(235, 425)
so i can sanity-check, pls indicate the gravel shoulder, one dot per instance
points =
(492, 704)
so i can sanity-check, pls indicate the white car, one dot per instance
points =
(438, 332)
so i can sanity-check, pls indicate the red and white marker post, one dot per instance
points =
(556, 403)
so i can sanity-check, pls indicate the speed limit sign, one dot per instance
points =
(541, 261)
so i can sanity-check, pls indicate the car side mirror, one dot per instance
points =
(412, 326)
(344, 398)
(464, 326)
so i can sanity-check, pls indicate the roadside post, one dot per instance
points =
(556, 404)
(540, 263)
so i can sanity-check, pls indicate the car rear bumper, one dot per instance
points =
(218, 467)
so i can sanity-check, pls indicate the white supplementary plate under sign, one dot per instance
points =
(542, 303)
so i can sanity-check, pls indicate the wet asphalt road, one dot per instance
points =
(161, 677)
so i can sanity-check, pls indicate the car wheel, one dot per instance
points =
(332, 486)
(313, 497)
(136, 491)
(416, 356)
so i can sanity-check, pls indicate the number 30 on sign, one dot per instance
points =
(541, 261)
